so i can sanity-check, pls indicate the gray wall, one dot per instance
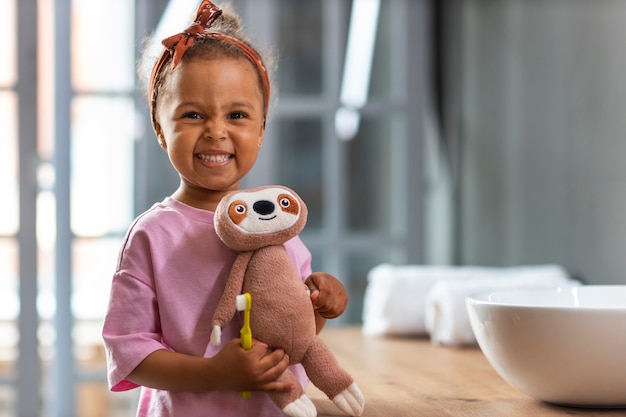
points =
(535, 121)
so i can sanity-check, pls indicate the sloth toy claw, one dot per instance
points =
(257, 222)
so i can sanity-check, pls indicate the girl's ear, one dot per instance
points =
(160, 137)
(262, 134)
(162, 143)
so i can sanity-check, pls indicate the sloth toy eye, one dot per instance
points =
(237, 211)
(288, 204)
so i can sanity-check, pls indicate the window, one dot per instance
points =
(361, 193)
(98, 141)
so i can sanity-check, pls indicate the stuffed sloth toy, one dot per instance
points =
(257, 222)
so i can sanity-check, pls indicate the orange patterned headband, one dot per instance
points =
(177, 45)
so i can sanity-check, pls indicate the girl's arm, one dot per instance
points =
(233, 368)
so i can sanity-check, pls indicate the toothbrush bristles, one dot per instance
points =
(242, 304)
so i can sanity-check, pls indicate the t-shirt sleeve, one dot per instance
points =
(131, 329)
(300, 255)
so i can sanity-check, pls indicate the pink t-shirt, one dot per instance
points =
(170, 275)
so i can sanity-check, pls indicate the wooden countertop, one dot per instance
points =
(409, 377)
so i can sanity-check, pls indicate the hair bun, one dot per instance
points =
(229, 23)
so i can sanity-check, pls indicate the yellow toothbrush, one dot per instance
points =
(244, 303)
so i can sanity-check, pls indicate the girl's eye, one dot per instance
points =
(238, 115)
(191, 115)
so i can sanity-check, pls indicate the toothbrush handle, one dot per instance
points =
(246, 334)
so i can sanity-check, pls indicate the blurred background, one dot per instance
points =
(453, 132)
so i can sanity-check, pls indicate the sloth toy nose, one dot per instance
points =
(263, 207)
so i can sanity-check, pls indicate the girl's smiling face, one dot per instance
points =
(211, 123)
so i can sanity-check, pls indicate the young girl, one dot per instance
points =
(209, 93)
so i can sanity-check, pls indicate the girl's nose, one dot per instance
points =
(214, 129)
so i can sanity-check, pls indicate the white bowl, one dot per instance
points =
(560, 345)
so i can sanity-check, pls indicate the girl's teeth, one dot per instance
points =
(213, 158)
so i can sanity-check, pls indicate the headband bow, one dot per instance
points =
(178, 44)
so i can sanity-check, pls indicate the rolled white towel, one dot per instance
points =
(395, 299)
(446, 318)
(395, 296)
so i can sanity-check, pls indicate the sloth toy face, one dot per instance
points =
(258, 217)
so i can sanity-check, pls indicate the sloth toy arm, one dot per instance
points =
(228, 302)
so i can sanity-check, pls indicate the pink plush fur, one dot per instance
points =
(257, 222)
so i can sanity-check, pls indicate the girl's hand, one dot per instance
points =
(233, 368)
(251, 370)
(328, 295)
